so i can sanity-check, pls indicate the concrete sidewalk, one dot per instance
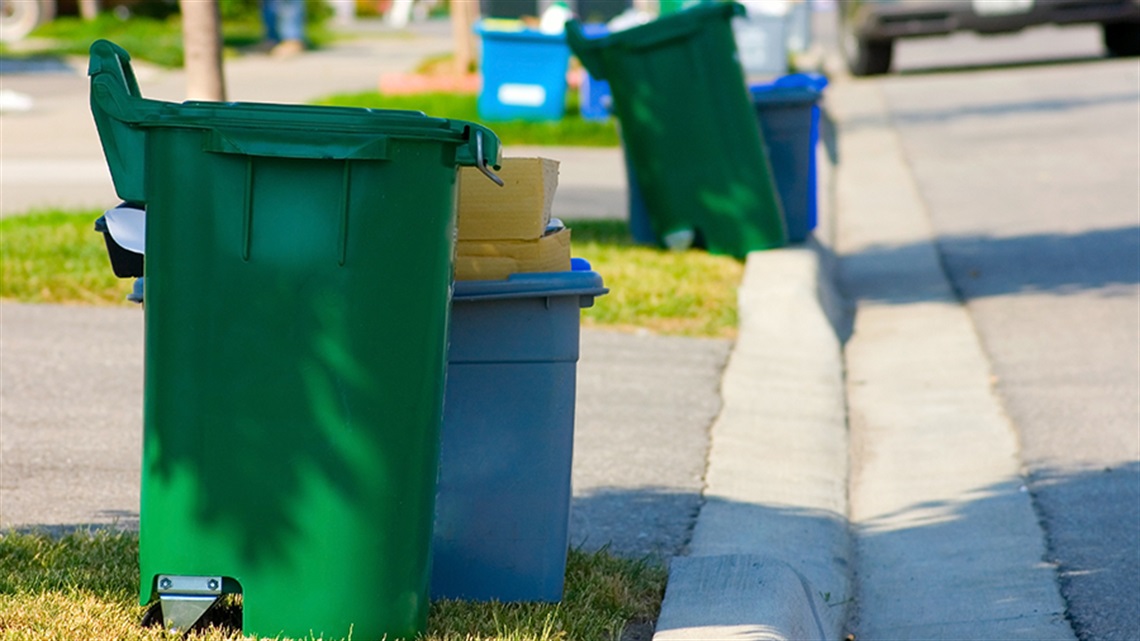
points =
(862, 476)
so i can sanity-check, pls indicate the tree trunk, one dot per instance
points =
(89, 9)
(464, 13)
(202, 43)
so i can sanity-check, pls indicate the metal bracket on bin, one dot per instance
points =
(185, 599)
(481, 162)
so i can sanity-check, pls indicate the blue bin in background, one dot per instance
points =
(594, 99)
(503, 500)
(524, 72)
(788, 112)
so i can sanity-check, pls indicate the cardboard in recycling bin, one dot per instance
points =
(495, 260)
(519, 210)
(508, 230)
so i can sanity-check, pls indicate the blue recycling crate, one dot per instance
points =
(506, 443)
(524, 72)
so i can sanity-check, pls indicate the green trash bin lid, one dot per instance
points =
(679, 25)
(122, 117)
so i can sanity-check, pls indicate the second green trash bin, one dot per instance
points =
(298, 274)
(689, 128)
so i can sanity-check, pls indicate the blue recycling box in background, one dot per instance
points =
(506, 444)
(524, 72)
(788, 112)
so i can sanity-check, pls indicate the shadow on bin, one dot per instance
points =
(689, 129)
(297, 290)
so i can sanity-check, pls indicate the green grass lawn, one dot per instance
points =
(56, 257)
(573, 129)
(83, 587)
(155, 40)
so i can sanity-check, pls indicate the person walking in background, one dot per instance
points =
(284, 26)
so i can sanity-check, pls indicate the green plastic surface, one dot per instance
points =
(689, 127)
(298, 278)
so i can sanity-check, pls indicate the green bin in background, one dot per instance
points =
(298, 282)
(689, 128)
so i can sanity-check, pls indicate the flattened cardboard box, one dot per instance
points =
(519, 210)
(496, 260)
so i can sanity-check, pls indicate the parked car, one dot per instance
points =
(868, 29)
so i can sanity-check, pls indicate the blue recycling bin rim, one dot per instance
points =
(493, 31)
(579, 281)
(792, 88)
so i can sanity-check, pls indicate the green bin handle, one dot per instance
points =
(122, 116)
(588, 50)
(674, 26)
(118, 107)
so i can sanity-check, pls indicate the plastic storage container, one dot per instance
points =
(508, 432)
(689, 128)
(524, 72)
(788, 112)
(298, 270)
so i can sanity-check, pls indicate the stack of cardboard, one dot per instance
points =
(507, 230)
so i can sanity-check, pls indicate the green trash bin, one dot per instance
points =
(298, 277)
(689, 128)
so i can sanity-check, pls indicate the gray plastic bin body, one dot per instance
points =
(503, 502)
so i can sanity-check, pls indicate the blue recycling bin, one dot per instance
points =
(594, 98)
(503, 498)
(788, 112)
(524, 72)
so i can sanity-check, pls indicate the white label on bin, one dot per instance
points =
(522, 95)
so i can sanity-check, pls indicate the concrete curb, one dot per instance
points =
(770, 557)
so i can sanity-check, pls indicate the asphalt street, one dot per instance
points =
(1029, 174)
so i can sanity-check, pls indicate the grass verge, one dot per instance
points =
(83, 585)
(56, 257)
(155, 40)
(690, 293)
(572, 130)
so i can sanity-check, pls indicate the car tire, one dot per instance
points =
(19, 17)
(1121, 38)
(868, 57)
(864, 57)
